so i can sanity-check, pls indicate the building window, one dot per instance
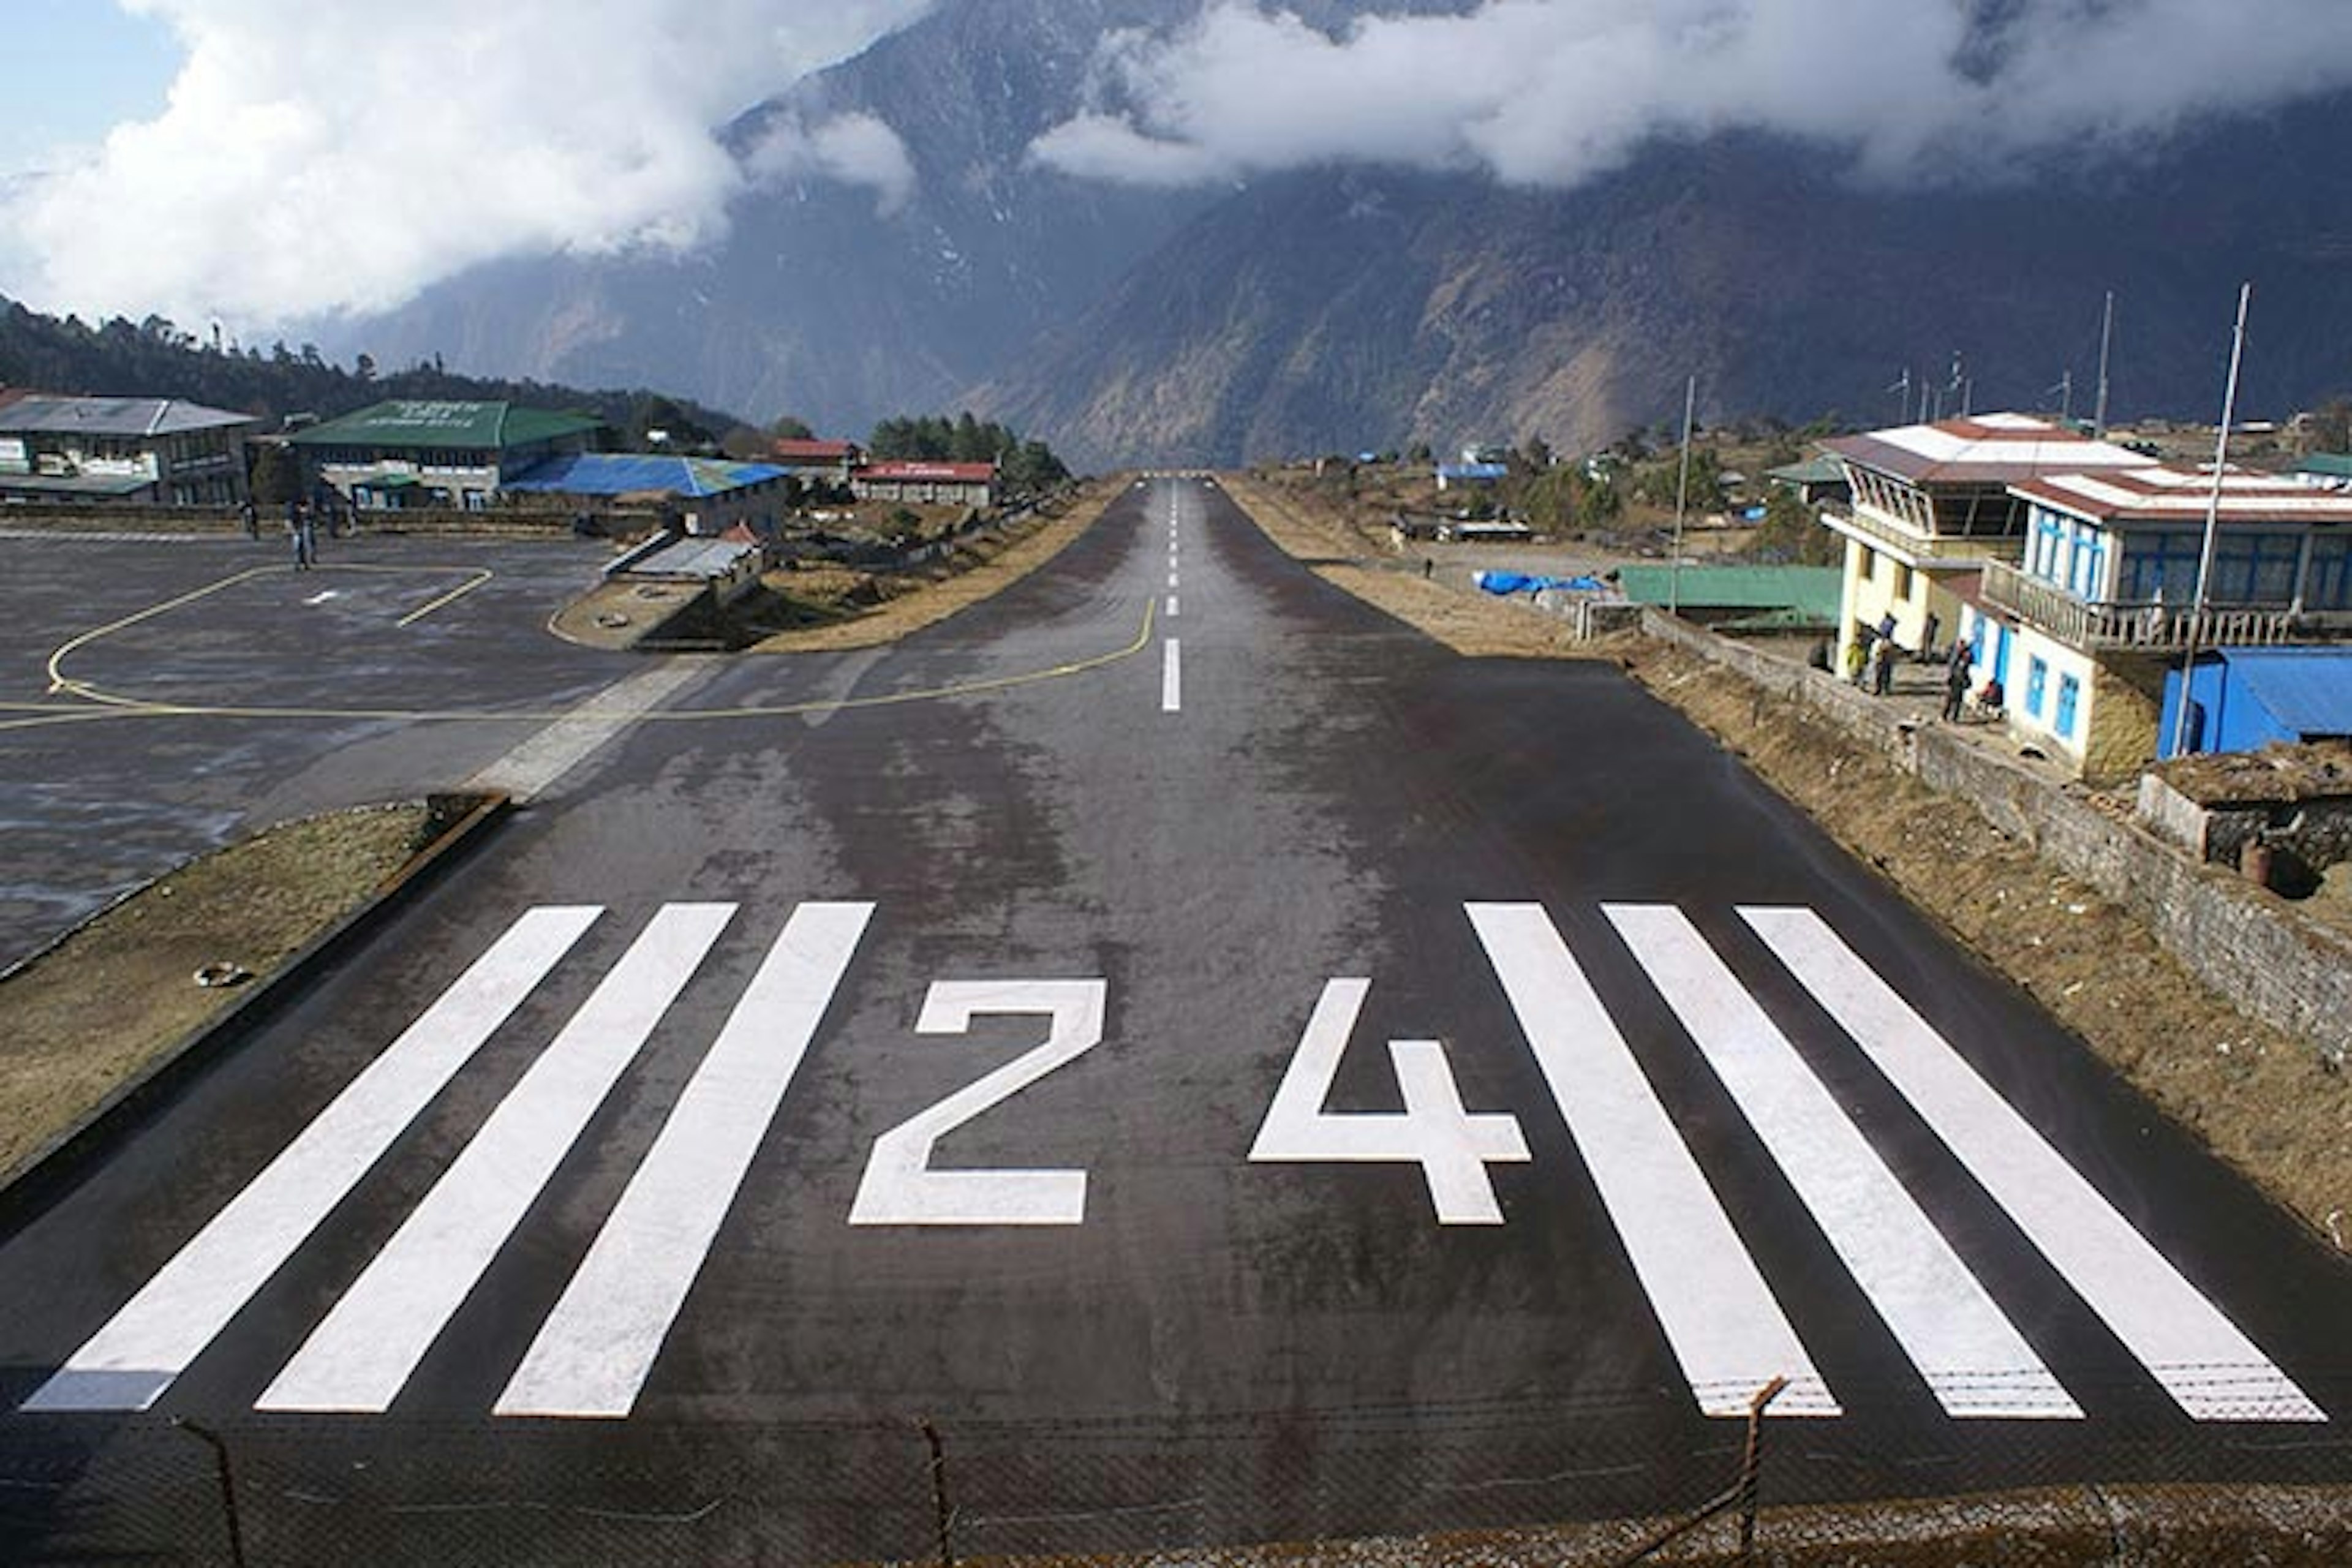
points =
(2037, 681)
(2330, 585)
(2044, 563)
(2086, 575)
(2070, 692)
(1902, 582)
(1869, 567)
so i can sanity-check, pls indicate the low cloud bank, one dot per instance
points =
(316, 160)
(1551, 92)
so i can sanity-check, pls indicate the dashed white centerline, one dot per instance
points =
(1171, 606)
(1172, 678)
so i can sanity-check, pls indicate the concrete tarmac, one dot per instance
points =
(1234, 1069)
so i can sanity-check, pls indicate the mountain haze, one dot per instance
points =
(1345, 310)
(1335, 307)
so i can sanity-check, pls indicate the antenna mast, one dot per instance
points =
(2106, 337)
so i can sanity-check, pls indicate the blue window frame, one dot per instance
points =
(2037, 681)
(2070, 692)
(2087, 574)
(2046, 551)
(2330, 585)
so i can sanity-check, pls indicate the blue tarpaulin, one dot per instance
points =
(1508, 583)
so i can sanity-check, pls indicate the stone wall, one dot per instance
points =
(2268, 958)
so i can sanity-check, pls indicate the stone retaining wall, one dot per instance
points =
(2271, 961)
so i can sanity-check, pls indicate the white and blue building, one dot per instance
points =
(2090, 630)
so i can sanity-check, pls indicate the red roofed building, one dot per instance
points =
(958, 484)
(830, 462)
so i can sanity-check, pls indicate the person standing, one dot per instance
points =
(298, 528)
(1956, 680)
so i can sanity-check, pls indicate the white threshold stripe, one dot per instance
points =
(593, 1354)
(1973, 1359)
(370, 1344)
(533, 768)
(129, 1363)
(1172, 678)
(2211, 1370)
(1726, 1332)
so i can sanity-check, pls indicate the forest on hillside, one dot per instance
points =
(155, 358)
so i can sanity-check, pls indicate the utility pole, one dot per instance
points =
(2212, 524)
(1682, 498)
(2106, 339)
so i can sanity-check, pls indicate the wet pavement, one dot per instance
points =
(214, 690)
(1234, 1069)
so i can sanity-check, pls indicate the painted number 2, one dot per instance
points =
(1451, 1146)
(899, 1187)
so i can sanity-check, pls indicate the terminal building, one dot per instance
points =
(438, 453)
(160, 451)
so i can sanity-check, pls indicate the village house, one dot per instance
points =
(159, 451)
(958, 484)
(2088, 629)
(817, 461)
(707, 496)
(407, 453)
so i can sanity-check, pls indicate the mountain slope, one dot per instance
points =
(1340, 309)
(826, 300)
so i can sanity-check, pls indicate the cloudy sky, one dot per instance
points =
(263, 162)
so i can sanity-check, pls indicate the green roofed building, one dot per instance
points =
(409, 453)
(1741, 598)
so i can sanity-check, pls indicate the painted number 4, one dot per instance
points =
(1451, 1146)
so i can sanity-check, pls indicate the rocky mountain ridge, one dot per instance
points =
(1343, 308)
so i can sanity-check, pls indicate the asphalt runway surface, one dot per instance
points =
(1225, 1067)
(183, 639)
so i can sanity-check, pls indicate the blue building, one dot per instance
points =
(2244, 699)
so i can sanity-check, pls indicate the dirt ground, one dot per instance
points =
(2266, 1103)
(96, 1010)
(844, 609)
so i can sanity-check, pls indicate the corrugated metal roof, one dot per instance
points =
(1823, 469)
(639, 473)
(703, 557)
(1993, 449)
(2157, 492)
(1812, 591)
(466, 426)
(2309, 691)
(38, 414)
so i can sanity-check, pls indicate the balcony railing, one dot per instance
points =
(1882, 533)
(2153, 625)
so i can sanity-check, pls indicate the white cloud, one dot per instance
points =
(851, 149)
(319, 158)
(1554, 91)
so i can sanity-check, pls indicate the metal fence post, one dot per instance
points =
(942, 1507)
(227, 1485)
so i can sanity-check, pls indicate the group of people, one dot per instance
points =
(301, 528)
(1870, 664)
(1870, 657)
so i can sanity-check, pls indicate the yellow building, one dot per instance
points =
(1932, 508)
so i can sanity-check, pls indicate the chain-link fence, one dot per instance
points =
(1602, 1481)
